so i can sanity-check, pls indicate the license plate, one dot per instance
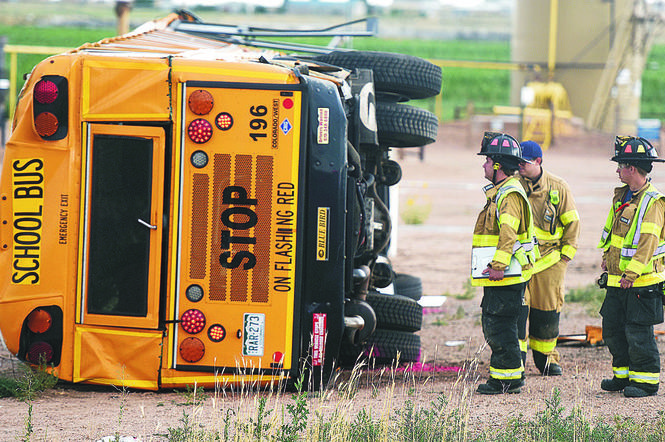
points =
(254, 325)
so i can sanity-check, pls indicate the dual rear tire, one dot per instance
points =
(398, 318)
(397, 78)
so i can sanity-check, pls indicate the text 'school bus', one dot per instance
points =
(177, 209)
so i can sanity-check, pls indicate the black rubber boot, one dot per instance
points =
(631, 391)
(546, 368)
(614, 384)
(493, 386)
(552, 369)
(640, 390)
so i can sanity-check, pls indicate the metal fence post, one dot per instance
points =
(4, 86)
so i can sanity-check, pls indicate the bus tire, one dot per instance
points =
(395, 312)
(408, 285)
(398, 74)
(386, 347)
(402, 125)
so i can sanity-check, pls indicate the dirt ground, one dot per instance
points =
(447, 183)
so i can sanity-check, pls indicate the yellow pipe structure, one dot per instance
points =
(554, 22)
(482, 65)
(13, 68)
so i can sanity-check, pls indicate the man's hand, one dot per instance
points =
(625, 284)
(565, 259)
(494, 275)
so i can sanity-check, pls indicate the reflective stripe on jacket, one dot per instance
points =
(506, 223)
(633, 239)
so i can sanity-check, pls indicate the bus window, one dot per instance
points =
(119, 244)
(124, 185)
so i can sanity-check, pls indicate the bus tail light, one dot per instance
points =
(199, 131)
(41, 336)
(194, 293)
(193, 321)
(192, 349)
(46, 124)
(50, 101)
(40, 353)
(39, 321)
(199, 159)
(216, 333)
(201, 102)
(224, 121)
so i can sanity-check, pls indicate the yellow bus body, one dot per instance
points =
(179, 210)
(133, 87)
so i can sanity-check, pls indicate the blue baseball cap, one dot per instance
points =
(531, 150)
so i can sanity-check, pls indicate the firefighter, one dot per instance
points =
(505, 228)
(557, 226)
(633, 243)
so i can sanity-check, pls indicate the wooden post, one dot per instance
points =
(122, 8)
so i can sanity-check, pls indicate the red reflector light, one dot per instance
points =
(278, 357)
(216, 333)
(224, 121)
(40, 353)
(199, 131)
(287, 103)
(200, 102)
(192, 350)
(39, 321)
(46, 124)
(193, 321)
(46, 92)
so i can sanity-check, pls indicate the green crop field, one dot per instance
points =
(653, 85)
(483, 87)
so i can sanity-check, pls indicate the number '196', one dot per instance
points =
(257, 124)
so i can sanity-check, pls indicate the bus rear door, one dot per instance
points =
(117, 340)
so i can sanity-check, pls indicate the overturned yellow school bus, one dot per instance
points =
(178, 208)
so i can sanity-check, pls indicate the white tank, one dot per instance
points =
(582, 41)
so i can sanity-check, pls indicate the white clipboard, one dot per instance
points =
(482, 256)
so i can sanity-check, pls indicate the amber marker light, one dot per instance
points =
(216, 332)
(224, 121)
(200, 102)
(192, 349)
(46, 124)
(39, 321)
(199, 131)
(193, 321)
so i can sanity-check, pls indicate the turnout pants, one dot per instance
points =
(502, 307)
(545, 295)
(628, 319)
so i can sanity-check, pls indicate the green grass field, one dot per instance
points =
(483, 87)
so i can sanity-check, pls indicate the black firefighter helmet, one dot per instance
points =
(502, 149)
(636, 151)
